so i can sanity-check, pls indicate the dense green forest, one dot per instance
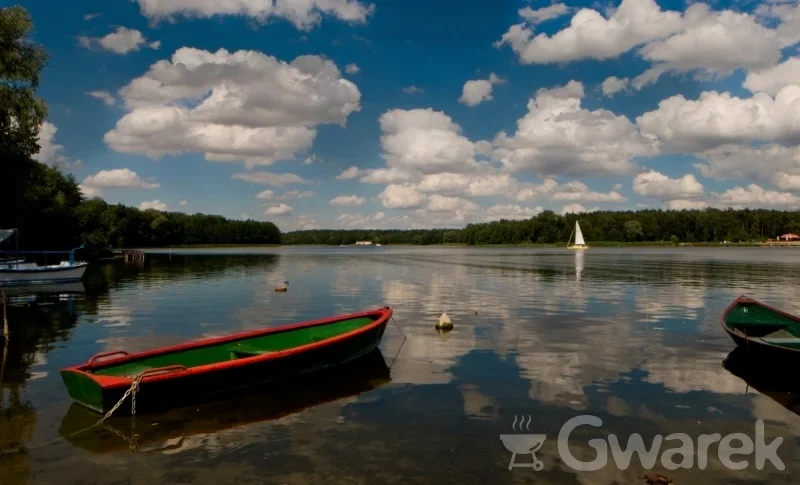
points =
(335, 237)
(709, 225)
(46, 206)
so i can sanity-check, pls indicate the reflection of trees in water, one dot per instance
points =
(36, 324)
(100, 280)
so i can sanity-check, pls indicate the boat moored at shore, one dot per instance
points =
(172, 375)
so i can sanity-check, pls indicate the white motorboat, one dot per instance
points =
(16, 270)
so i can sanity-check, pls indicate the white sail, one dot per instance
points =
(579, 235)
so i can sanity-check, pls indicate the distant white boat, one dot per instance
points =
(16, 271)
(378, 244)
(579, 242)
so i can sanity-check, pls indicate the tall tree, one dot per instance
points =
(21, 63)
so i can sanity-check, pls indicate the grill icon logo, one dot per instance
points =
(523, 444)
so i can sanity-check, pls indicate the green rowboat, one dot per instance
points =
(181, 428)
(172, 375)
(762, 329)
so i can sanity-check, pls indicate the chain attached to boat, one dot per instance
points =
(132, 391)
(401, 344)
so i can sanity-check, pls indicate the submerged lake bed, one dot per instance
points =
(541, 336)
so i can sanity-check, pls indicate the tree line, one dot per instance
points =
(336, 237)
(46, 205)
(691, 226)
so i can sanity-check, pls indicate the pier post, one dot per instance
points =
(5, 317)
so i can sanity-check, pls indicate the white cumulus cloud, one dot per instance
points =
(153, 204)
(296, 194)
(50, 152)
(397, 196)
(577, 209)
(574, 191)
(103, 96)
(266, 195)
(719, 118)
(559, 137)
(685, 204)
(479, 90)
(657, 185)
(710, 42)
(352, 69)
(348, 200)
(116, 178)
(304, 14)
(591, 35)
(443, 203)
(543, 14)
(772, 79)
(413, 90)
(755, 196)
(361, 221)
(717, 42)
(425, 140)
(121, 41)
(612, 85)
(279, 210)
(232, 106)
(349, 174)
(510, 212)
(270, 178)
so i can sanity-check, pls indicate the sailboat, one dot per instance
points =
(579, 242)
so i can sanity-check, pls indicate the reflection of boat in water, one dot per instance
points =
(45, 290)
(578, 265)
(167, 430)
(765, 378)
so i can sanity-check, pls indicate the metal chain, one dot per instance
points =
(130, 392)
(401, 344)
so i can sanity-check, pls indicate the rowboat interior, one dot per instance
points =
(754, 321)
(246, 347)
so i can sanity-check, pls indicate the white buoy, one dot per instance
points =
(444, 322)
(281, 288)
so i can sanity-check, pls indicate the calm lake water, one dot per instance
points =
(631, 336)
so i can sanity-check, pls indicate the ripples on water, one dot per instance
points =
(631, 336)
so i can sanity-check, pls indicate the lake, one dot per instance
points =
(629, 335)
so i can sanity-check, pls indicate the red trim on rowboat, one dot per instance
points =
(111, 382)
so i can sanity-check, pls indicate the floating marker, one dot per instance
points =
(282, 287)
(444, 322)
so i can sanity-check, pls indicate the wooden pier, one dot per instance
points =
(133, 256)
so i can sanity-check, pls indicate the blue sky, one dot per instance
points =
(419, 114)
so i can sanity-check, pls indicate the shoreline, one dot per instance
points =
(596, 244)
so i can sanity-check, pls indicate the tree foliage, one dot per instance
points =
(334, 237)
(21, 63)
(105, 225)
(709, 225)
